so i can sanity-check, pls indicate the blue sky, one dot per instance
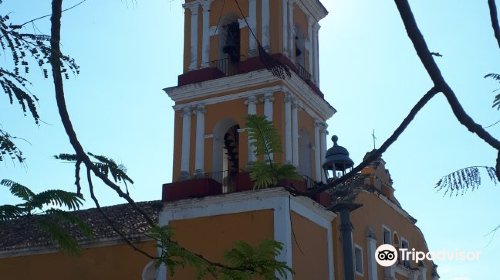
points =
(129, 50)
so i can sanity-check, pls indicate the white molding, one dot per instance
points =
(316, 106)
(313, 8)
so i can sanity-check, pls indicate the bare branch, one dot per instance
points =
(401, 128)
(494, 19)
(110, 221)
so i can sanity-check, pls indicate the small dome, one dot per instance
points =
(338, 156)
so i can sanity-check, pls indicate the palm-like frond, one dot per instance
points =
(18, 190)
(264, 134)
(265, 175)
(8, 148)
(465, 179)
(59, 198)
(66, 242)
(9, 212)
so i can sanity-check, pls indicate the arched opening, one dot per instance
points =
(229, 44)
(299, 46)
(225, 153)
(304, 153)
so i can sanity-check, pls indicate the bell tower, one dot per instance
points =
(224, 79)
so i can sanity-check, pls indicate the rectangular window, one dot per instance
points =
(405, 245)
(387, 236)
(358, 258)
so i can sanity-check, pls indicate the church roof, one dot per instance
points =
(24, 234)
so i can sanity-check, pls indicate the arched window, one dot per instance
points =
(225, 162)
(299, 46)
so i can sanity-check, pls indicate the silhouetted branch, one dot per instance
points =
(494, 19)
(377, 153)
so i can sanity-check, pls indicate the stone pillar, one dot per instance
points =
(291, 30)
(423, 272)
(322, 136)
(205, 54)
(288, 129)
(252, 21)
(200, 142)
(295, 134)
(252, 110)
(193, 7)
(371, 247)
(265, 32)
(285, 27)
(317, 152)
(316, 52)
(186, 143)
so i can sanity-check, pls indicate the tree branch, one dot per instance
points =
(433, 70)
(401, 128)
(63, 111)
(494, 20)
(110, 221)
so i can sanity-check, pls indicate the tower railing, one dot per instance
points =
(306, 76)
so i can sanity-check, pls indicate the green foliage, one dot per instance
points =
(465, 179)
(259, 260)
(106, 165)
(266, 139)
(496, 102)
(244, 262)
(8, 148)
(51, 220)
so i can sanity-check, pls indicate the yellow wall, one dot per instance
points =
(212, 236)
(111, 262)
(310, 249)
(375, 213)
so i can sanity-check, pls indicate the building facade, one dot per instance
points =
(229, 48)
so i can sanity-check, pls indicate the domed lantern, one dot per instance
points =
(337, 160)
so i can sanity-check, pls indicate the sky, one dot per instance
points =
(129, 51)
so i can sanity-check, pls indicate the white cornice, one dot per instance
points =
(313, 7)
(315, 104)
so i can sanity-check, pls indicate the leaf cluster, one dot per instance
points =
(106, 165)
(8, 149)
(465, 179)
(496, 102)
(244, 262)
(50, 219)
(266, 140)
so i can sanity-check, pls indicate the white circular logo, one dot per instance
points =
(386, 255)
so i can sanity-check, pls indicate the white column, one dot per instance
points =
(200, 142)
(317, 151)
(252, 110)
(295, 134)
(311, 49)
(186, 143)
(288, 129)
(291, 30)
(268, 112)
(371, 245)
(265, 25)
(252, 21)
(285, 27)
(316, 52)
(205, 54)
(322, 135)
(193, 7)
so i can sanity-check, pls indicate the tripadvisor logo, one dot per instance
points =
(386, 255)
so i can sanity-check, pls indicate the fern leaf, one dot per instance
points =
(62, 198)
(9, 212)
(264, 135)
(60, 236)
(465, 179)
(18, 190)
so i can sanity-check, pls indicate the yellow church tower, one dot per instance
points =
(224, 79)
